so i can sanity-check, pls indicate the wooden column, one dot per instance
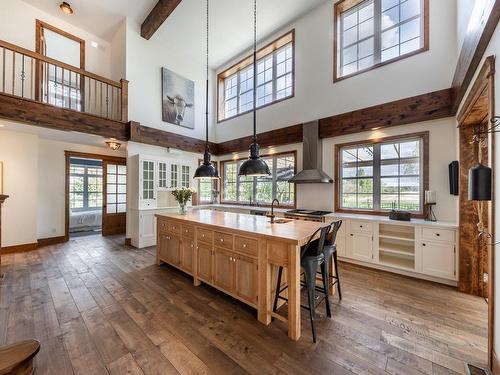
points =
(2, 199)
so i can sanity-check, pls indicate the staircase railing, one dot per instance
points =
(30, 75)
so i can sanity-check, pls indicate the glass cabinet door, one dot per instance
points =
(185, 176)
(147, 180)
(174, 176)
(162, 175)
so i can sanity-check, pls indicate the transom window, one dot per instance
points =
(262, 190)
(275, 73)
(383, 175)
(374, 32)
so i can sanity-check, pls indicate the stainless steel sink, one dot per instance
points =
(282, 221)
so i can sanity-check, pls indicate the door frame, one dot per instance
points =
(68, 155)
(480, 106)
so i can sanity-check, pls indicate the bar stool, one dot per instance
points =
(330, 249)
(311, 256)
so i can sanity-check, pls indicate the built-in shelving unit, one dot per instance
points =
(397, 246)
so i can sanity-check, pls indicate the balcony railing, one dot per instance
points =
(30, 75)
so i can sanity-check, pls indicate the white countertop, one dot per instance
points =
(242, 207)
(385, 219)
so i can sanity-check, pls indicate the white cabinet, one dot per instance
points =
(147, 182)
(360, 246)
(438, 259)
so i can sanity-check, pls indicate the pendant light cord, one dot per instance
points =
(206, 94)
(255, 71)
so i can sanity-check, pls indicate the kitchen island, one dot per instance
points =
(237, 254)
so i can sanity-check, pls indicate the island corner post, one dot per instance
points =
(238, 254)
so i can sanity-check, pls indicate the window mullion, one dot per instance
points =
(275, 72)
(377, 24)
(238, 81)
(274, 189)
(376, 177)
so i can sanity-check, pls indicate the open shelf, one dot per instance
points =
(396, 260)
(399, 232)
(398, 247)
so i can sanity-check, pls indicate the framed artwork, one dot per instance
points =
(177, 99)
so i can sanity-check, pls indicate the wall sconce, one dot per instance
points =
(113, 144)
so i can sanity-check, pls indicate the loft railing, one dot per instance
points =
(32, 76)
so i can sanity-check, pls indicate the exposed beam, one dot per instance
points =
(158, 15)
(484, 20)
(284, 136)
(151, 136)
(47, 116)
(430, 106)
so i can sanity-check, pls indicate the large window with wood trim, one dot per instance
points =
(383, 175)
(371, 33)
(260, 190)
(275, 79)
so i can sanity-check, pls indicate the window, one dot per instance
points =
(85, 184)
(275, 76)
(206, 188)
(383, 175)
(174, 173)
(162, 175)
(185, 177)
(116, 188)
(244, 189)
(371, 33)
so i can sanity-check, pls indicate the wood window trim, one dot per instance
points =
(221, 171)
(344, 5)
(424, 136)
(284, 39)
(68, 155)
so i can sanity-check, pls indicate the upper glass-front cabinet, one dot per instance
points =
(148, 181)
(174, 176)
(185, 176)
(162, 175)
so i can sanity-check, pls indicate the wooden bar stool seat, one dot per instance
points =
(17, 359)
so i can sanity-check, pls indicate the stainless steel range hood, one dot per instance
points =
(312, 172)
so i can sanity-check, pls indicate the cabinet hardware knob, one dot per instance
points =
(361, 226)
(231, 259)
(222, 240)
(244, 245)
(352, 234)
(423, 244)
(186, 230)
(437, 234)
(192, 245)
(202, 236)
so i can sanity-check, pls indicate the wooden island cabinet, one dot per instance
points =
(237, 254)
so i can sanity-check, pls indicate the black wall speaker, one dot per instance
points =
(453, 171)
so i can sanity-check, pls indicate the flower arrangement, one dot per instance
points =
(182, 196)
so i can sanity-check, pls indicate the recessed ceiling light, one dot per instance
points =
(94, 44)
(66, 8)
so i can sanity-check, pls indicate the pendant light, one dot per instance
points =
(207, 170)
(254, 165)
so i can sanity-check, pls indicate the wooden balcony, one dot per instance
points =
(41, 91)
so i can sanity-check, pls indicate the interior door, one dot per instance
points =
(115, 197)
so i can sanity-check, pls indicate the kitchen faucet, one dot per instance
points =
(272, 209)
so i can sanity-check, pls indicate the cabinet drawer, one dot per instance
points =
(361, 226)
(187, 231)
(173, 227)
(162, 226)
(436, 234)
(223, 240)
(204, 235)
(246, 245)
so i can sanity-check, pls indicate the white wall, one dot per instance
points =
(144, 62)
(464, 11)
(19, 153)
(17, 26)
(51, 183)
(317, 96)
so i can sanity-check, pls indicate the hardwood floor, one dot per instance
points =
(99, 307)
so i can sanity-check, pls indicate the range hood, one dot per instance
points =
(312, 172)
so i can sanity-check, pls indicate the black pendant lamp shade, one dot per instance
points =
(480, 183)
(207, 169)
(254, 165)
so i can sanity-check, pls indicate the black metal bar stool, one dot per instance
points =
(311, 256)
(330, 249)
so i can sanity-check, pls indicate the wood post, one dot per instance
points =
(2, 199)
(124, 100)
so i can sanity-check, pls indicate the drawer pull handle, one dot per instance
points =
(437, 234)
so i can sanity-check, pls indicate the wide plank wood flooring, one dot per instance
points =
(99, 307)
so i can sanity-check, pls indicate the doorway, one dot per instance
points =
(477, 220)
(96, 194)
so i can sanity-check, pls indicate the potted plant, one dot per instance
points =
(182, 196)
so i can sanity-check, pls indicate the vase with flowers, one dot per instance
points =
(183, 196)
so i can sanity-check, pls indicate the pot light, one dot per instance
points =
(113, 144)
(66, 8)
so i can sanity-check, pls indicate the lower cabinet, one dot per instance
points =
(438, 259)
(187, 255)
(361, 246)
(229, 271)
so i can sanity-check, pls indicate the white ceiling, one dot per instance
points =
(231, 21)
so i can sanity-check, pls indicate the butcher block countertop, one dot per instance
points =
(294, 231)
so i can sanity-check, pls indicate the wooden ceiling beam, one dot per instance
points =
(474, 46)
(157, 16)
